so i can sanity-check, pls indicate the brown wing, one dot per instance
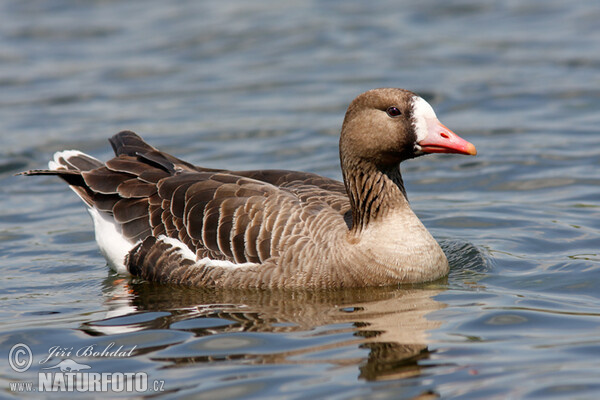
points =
(219, 215)
(235, 216)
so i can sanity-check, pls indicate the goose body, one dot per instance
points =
(165, 220)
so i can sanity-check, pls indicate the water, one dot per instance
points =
(242, 85)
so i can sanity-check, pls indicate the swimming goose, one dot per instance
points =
(166, 220)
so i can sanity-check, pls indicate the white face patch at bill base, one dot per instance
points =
(422, 114)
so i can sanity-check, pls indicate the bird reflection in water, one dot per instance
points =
(390, 323)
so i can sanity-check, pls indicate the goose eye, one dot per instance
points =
(393, 112)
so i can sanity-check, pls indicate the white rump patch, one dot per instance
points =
(422, 112)
(204, 262)
(113, 245)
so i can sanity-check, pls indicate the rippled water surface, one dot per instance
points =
(248, 85)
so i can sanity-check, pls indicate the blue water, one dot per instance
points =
(248, 85)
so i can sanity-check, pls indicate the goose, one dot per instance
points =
(162, 219)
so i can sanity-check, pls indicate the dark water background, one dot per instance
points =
(247, 85)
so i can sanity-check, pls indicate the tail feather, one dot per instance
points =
(68, 165)
(119, 215)
(73, 160)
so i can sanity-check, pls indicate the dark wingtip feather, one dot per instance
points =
(129, 143)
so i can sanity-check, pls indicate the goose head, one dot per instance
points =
(384, 127)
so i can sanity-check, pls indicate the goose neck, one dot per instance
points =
(373, 192)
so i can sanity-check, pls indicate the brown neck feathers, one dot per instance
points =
(372, 192)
